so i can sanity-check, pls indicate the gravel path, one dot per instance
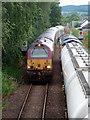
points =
(56, 102)
(15, 101)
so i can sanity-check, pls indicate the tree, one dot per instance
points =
(77, 25)
(55, 15)
(22, 21)
(70, 18)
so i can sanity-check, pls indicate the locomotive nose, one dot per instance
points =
(38, 65)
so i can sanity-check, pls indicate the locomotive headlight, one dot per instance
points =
(39, 45)
(28, 67)
(48, 66)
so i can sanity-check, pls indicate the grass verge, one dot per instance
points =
(12, 77)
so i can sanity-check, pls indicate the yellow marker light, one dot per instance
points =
(48, 66)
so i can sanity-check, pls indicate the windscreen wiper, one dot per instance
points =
(33, 50)
(45, 51)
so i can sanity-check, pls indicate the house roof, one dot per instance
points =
(85, 24)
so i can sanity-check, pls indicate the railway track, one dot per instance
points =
(45, 101)
(25, 102)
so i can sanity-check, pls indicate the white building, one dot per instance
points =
(85, 24)
(74, 22)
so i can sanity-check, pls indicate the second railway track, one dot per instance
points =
(34, 104)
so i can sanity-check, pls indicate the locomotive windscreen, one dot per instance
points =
(39, 53)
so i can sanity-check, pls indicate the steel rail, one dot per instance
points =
(45, 101)
(24, 103)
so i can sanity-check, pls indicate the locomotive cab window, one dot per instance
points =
(39, 53)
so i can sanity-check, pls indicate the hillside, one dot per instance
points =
(81, 10)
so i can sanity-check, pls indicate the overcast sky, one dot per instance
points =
(73, 2)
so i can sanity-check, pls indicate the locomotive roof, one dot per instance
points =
(49, 33)
(71, 40)
(47, 37)
(44, 42)
(59, 26)
(68, 36)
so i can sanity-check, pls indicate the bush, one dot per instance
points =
(77, 25)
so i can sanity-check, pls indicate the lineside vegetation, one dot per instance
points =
(22, 21)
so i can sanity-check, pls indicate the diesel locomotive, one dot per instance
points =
(40, 54)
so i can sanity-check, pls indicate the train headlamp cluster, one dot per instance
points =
(30, 67)
(48, 66)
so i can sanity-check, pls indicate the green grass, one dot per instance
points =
(9, 84)
(12, 76)
(85, 40)
(89, 40)
(80, 14)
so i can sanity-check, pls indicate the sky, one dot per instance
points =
(73, 2)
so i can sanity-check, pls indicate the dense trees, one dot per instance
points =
(55, 15)
(24, 21)
(69, 19)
